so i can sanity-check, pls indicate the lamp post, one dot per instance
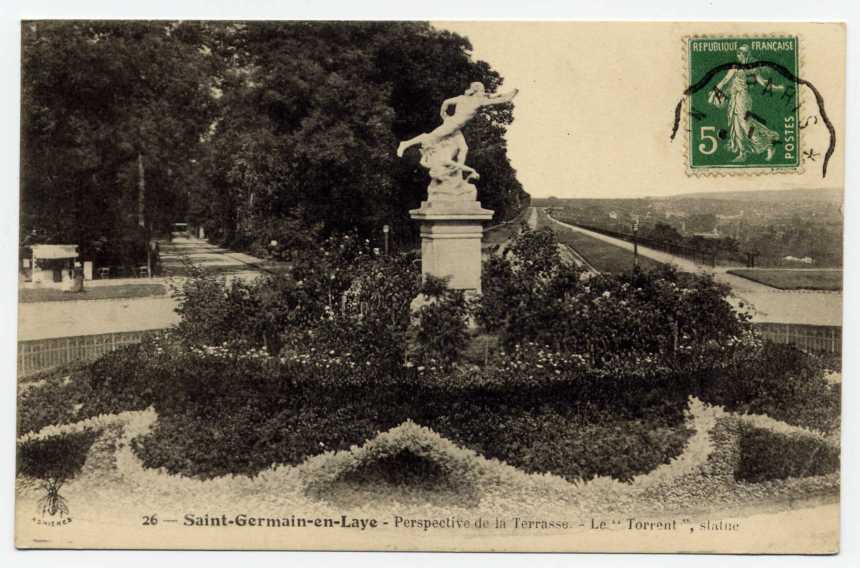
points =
(636, 242)
(385, 231)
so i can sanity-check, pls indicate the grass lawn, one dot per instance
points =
(601, 255)
(101, 293)
(793, 278)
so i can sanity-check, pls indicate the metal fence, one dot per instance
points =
(813, 338)
(41, 354)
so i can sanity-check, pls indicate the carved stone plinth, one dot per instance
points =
(451, 235)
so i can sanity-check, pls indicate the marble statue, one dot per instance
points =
(444, 150)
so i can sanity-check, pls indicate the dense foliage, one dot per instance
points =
(289, 367)
(112, 116)
(440, 333)
(311, 114)
(258, 131)
(659, 317)
(55, 459)
(341, 296)
(766, 455)
(778, 381)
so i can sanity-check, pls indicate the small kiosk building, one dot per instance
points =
(53, 266)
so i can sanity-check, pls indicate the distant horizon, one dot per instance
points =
(715, 193)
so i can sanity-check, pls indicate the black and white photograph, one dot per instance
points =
(403, 285)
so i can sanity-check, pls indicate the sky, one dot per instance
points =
(596, 106)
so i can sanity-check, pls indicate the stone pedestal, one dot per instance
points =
(451, 241)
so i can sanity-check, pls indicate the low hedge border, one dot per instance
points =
(85, 449)
(716, 481)
(458, 467)
(702, 476)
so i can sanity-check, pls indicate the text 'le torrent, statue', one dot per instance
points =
(451, 218)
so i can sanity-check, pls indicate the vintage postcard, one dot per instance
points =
(436, 286)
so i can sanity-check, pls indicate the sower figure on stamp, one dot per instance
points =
(747, 135)
(444, 150)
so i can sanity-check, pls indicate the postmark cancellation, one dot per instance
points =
(743, 103)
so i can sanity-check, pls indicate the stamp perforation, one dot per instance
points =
(721, 171)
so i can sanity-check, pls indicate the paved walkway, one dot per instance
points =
(46, 320)
(533, 218)
(768, 304)
(91, 317)
(178, 254)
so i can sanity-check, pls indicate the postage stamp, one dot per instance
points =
(743, 104)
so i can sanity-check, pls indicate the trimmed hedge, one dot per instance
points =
(443, 477)
(566, 444)
(55, 458)
(767, 455)
(53, 401)
(408, 456)
(224, 411)
(779, 381)
(120, 380)
(229, 413)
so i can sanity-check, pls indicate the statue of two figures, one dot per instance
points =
(444, 150)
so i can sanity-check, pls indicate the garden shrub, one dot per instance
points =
(231, 413)
(408, 455)
(227, 412)
(736, 473)
(371, 321)
(678, 320)
(779, 381)
(573, 445)
(57, 400)
(212, 311)
(593, 379)
(121, 380)
(215, 312)
(338, 296)
(440, 335)
(58, 457)
(533, 375)
(54, 460)
(767, 455)
(247, 439)
(522, 292)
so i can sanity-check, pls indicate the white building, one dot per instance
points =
(804, 260)
(53, 266)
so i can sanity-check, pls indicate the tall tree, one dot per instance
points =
(253, 129)
(310, 117)
(112, 112)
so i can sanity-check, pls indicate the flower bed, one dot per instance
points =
(230, 410)
(460, 481)
(292, 390)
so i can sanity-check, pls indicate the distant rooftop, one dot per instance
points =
(55, 251)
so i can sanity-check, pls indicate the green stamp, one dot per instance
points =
(743, 103)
